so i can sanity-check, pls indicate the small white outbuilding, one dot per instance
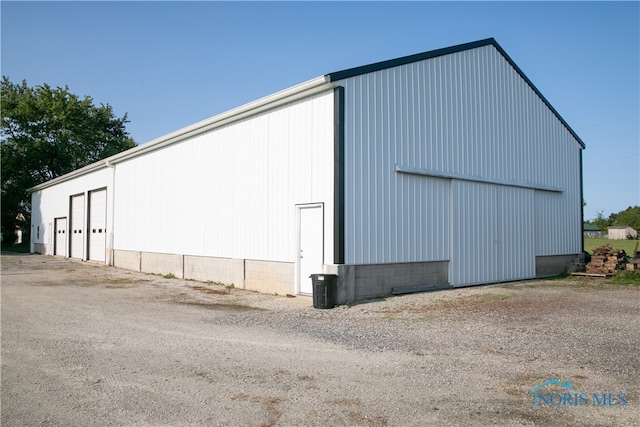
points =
(621, 232)
(445, 168)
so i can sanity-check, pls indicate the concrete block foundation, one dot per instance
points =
(553, 265)
(255, 275)
(129, 260)
(41, 248)
(225, 270)
(151, 262)
(270, 277)
(360, 282)
(355, 282)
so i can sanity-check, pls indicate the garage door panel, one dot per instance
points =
(77, 226)
(97, 225)
(60, 231)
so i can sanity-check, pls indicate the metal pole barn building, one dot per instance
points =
(442, 169)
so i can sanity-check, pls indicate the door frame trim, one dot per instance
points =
(299, 207)
(89, 225)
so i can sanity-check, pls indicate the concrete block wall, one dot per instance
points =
(225, 270)
(270, 277)
(360, 282)
(554, 265)
(129, 260)
(151, 262)
(262, 276)
(42, 248)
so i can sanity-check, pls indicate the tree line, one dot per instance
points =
(628, 217)
(48, 132)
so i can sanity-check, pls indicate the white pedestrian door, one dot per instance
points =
(310, 256)
(77, 226)
(97, 225)
(60, 230)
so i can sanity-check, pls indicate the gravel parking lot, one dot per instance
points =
(89, 345)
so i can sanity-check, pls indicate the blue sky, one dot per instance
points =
(171, 64)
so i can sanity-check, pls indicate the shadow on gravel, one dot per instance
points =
(218, 306)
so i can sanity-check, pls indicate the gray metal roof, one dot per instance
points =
(364, 69)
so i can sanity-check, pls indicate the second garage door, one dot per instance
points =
(97, 225)
(77, 226)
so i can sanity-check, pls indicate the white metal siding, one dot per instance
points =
(467, 113)
(231, 192)
(54, 202)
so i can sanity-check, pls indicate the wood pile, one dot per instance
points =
(606, 260)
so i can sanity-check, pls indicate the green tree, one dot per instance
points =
(48, 132)
(601, 222)
(629, 216)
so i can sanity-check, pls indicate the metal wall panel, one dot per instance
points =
(467, 113)
(516, 256)
(474, 233)
(231, 192)
(53, 202)
(492, 239)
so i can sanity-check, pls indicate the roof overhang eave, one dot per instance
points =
(292, 94)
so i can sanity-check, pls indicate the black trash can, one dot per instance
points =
(324, 290)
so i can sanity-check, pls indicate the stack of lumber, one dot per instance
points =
(606, 260)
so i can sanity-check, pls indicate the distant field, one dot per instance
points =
(591, 243)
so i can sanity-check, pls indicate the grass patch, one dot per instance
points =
(21, 248)
(121, 283)
(169, 276)
(478, 299)
(590, 243)
(496, 297)
(626, 277)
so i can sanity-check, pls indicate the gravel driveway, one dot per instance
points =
(88, 345)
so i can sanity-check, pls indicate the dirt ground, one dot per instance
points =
(88, 345)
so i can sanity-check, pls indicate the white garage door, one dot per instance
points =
(97, 225)
(77, 226)
(61, 237)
